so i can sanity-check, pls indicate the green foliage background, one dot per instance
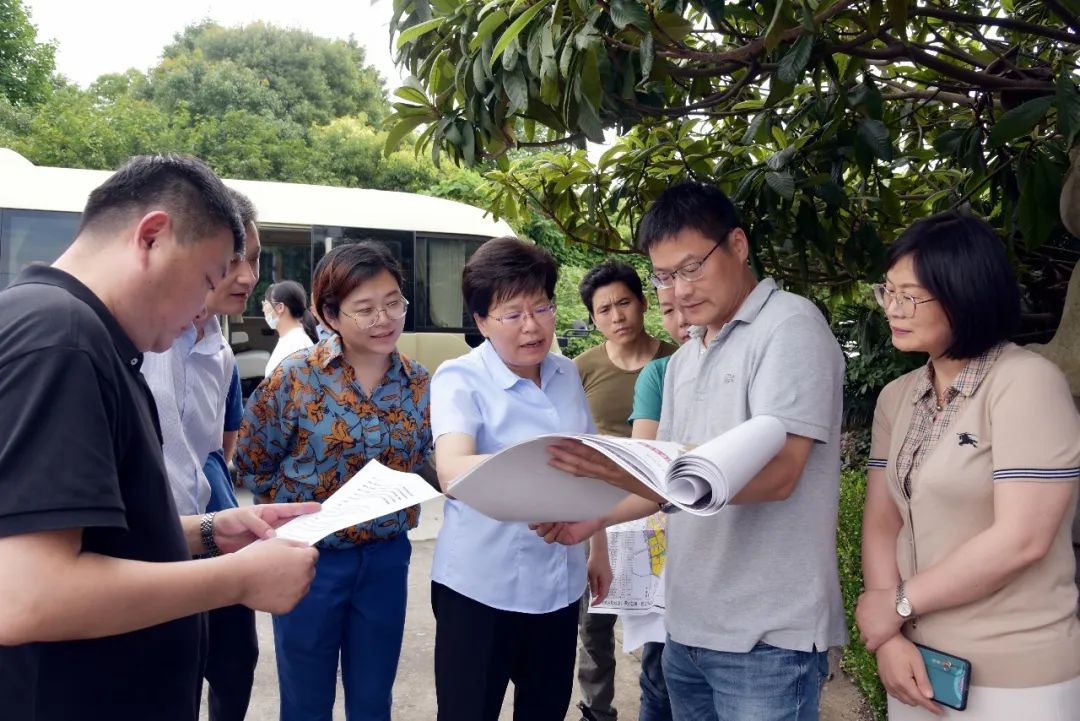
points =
(859, 663)
(26, 66)
(256, 102)
(822, 118)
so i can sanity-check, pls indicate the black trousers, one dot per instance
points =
(232, 653)
(479, 649)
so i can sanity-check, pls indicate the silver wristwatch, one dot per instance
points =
(206, 531)
(903, 606)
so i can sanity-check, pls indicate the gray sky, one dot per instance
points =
(106, 36)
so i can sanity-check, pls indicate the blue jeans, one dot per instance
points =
(354, 611)
(766, 684)
(655, 705)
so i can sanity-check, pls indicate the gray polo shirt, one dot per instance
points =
(764, 572)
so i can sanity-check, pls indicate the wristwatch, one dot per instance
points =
(206, 532)
(903, 606)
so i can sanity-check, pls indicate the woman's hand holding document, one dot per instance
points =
(520, 484)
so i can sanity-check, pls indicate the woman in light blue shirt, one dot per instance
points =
(505, 602)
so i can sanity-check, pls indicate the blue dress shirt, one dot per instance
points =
(216, 469)
(506, 565)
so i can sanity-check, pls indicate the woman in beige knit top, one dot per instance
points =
(971, 490)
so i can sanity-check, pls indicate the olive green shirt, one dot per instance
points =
(610, 389)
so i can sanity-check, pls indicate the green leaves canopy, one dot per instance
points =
(832, 123)
(26, 66)
(256, 102)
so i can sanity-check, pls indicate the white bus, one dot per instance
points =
(298, 224)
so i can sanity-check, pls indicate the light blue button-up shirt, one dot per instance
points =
(506, 565)
(190, 383)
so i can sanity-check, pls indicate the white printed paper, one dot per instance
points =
(373, 492)
(637, 551)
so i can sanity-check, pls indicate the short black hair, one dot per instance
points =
(504, 268)
(608, 272)
(962, 263)
(181, 185)
(244, 207)
(704, 208)
(340, 271)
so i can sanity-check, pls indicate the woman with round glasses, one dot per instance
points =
(971, 490)
(309, 428)
(505, 602)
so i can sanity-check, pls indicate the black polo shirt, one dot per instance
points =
(80, 447)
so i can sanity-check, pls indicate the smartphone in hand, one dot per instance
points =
(949, 675)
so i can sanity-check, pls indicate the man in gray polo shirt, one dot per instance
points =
(753, 592)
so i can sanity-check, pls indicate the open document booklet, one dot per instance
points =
(518, 484)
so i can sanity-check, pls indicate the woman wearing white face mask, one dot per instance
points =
(285, 310)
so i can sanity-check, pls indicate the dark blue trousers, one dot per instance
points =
(355, 610)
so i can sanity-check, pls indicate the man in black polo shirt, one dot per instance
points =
(99, 597)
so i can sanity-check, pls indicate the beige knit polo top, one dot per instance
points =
(1013, 420)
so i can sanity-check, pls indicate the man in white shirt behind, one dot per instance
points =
(190, 383)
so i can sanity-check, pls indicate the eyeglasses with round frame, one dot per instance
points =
(367, 317)
(541, 314)
(688, 272)
(905, 302)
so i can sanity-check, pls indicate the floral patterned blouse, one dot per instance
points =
(310, 427)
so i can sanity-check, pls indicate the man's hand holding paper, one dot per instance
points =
(235, 528)
(374, 491)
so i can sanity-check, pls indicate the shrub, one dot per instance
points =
(857, 662)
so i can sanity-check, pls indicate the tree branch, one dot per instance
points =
(755, 47)
(954, 98)
(706, 102)
(1007, 23)
(551, 143)
(980, 185)
(955, 55)
(1062, 12)
(896, 50)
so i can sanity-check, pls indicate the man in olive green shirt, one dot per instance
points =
(613, 294)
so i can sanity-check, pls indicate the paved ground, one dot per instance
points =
(414, 691)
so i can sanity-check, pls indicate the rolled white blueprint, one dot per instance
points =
(725, 465)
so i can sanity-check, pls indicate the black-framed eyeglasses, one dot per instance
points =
(540, 314)
(688, 272)
(365, 318)
(906, 303)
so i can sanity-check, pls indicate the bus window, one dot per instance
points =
(278, 263)
(32, 236)
(439, 260)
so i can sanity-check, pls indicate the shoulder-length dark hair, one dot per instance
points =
(962, 263)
